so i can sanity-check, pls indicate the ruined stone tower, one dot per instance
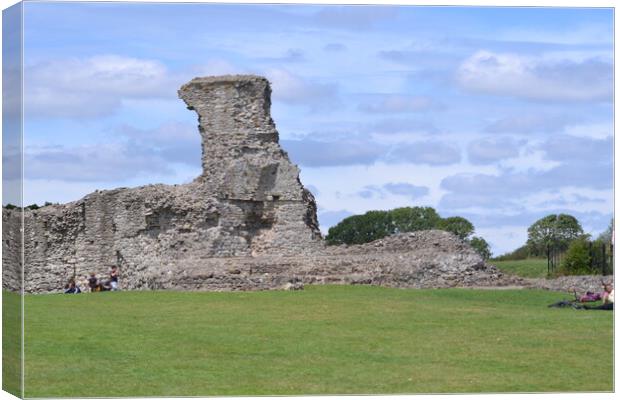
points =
(247, 202)
(244, 166)
(246, 223)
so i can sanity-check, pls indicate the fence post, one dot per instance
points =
(604, 259)
(548, 261)
(611, 257)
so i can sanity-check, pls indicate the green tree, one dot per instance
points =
(556, 230)
(358, 229)
(373, 225)
(606, 236)
(481, 246)
(457, 225)
(409, 219)
(577, 258)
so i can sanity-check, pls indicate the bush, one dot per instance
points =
(410, 219)
(481, 246)
(457, 225)
(358, 229)
(577, 258)
(373, 225)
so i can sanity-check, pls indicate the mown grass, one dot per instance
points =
(528, 268)
(322, 340)
(11, 342)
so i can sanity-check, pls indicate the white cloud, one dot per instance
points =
(91, 87)
(579, 149)
(104, 162)
(491, 150)
(535, 78)
(593, 131)
(406, 189)
(316, 153)
(431, 152)
(128, 154)
(572, 198)
(357, 18)
(327, 219)
(293, 89)
(530, 161)
(531, 122)
(218, 66)
(399, 104)
(505, 238)
(581, 34)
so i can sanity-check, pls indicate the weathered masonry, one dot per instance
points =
(245, 223)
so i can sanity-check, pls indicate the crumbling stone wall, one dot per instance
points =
(245, 223)
(11, 250)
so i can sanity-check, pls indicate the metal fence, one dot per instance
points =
(601, 260)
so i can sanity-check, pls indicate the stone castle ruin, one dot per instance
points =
(246, 223)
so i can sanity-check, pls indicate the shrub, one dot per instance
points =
(358, 229)
(577, 258)
(373, 225)
(457, 225)
(481, 246)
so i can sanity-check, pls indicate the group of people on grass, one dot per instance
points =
(606, 297)
(94, 284)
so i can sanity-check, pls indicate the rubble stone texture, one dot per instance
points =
(246, 223)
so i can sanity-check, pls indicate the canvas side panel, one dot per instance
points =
(12, 155)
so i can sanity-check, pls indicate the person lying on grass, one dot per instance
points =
(608, 299)
(607, 296)
(590, 297)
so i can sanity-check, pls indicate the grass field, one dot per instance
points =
(322, 340)
(11, 342)
(528, 268)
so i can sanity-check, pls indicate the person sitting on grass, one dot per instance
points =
(95, 285)
(92, 283)
(590, 297)
(72, 288)
(113, 282)
(608, 299)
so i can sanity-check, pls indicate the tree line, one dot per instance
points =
(377, 224)
(33, 206)
(562, 233)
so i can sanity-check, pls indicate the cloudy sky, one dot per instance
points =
(500, 115)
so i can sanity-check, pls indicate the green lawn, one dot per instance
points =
(11, 342)
(528, 268)
(322, 340)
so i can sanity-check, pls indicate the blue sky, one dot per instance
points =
(500, 115)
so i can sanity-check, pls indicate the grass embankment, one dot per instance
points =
(528, 268)
(323, 340)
